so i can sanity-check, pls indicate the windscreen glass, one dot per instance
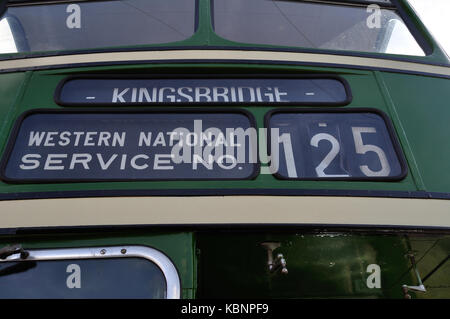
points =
(320, 25)
(122, 278)
(95, 24)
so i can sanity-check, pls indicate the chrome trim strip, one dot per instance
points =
(171, 56)
(151, 254)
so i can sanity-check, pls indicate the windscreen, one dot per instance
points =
(111, 278)
(319, 25)
(95, 24)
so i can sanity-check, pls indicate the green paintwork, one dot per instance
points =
(321, 263)
(422, 109)
(365, 87)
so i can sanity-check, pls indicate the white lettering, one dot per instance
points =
(145, 139)
(104, 138)
(118, 97)
(119, 139)
(88, 140)
(143, 92)
(159, 160)
(136, 166)
(223, 94)
(205, 94)
(161, 97)
(64, 138)
(278, 95)
(28, 159)
(82, 159)
(106, 165)
(159, 140)
(49, 139)
(36, 138)
(182, 94)
(198, 159)
(233, 160)
(77, 137)
(241, 94)
(123, 162)
(53, 159)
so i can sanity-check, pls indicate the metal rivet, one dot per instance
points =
(103, 251)
(123, 251)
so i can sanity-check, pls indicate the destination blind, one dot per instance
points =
(102, 91)
(64, 146)
(95, 146)
(352, 144)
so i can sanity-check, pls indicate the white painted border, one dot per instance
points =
(225, 210)
(222, 55)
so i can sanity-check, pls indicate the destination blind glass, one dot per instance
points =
(324, 91)
(123, 278)
(69, 146)
(343, 145)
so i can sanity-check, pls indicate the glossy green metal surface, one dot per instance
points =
(421, 107)
(368, 90)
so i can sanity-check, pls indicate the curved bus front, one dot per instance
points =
(305, 161)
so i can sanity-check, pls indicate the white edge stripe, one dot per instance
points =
(225, 210)
(228, 55)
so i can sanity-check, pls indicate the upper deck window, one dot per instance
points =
(349, 25)
(97, 24)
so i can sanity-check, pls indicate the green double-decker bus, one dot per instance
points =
(216, 149)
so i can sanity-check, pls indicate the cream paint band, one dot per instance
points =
(224, 210)
(225, 55)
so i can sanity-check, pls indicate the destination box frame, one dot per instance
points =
(173, 110)
(390, 130)
(62, 83)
